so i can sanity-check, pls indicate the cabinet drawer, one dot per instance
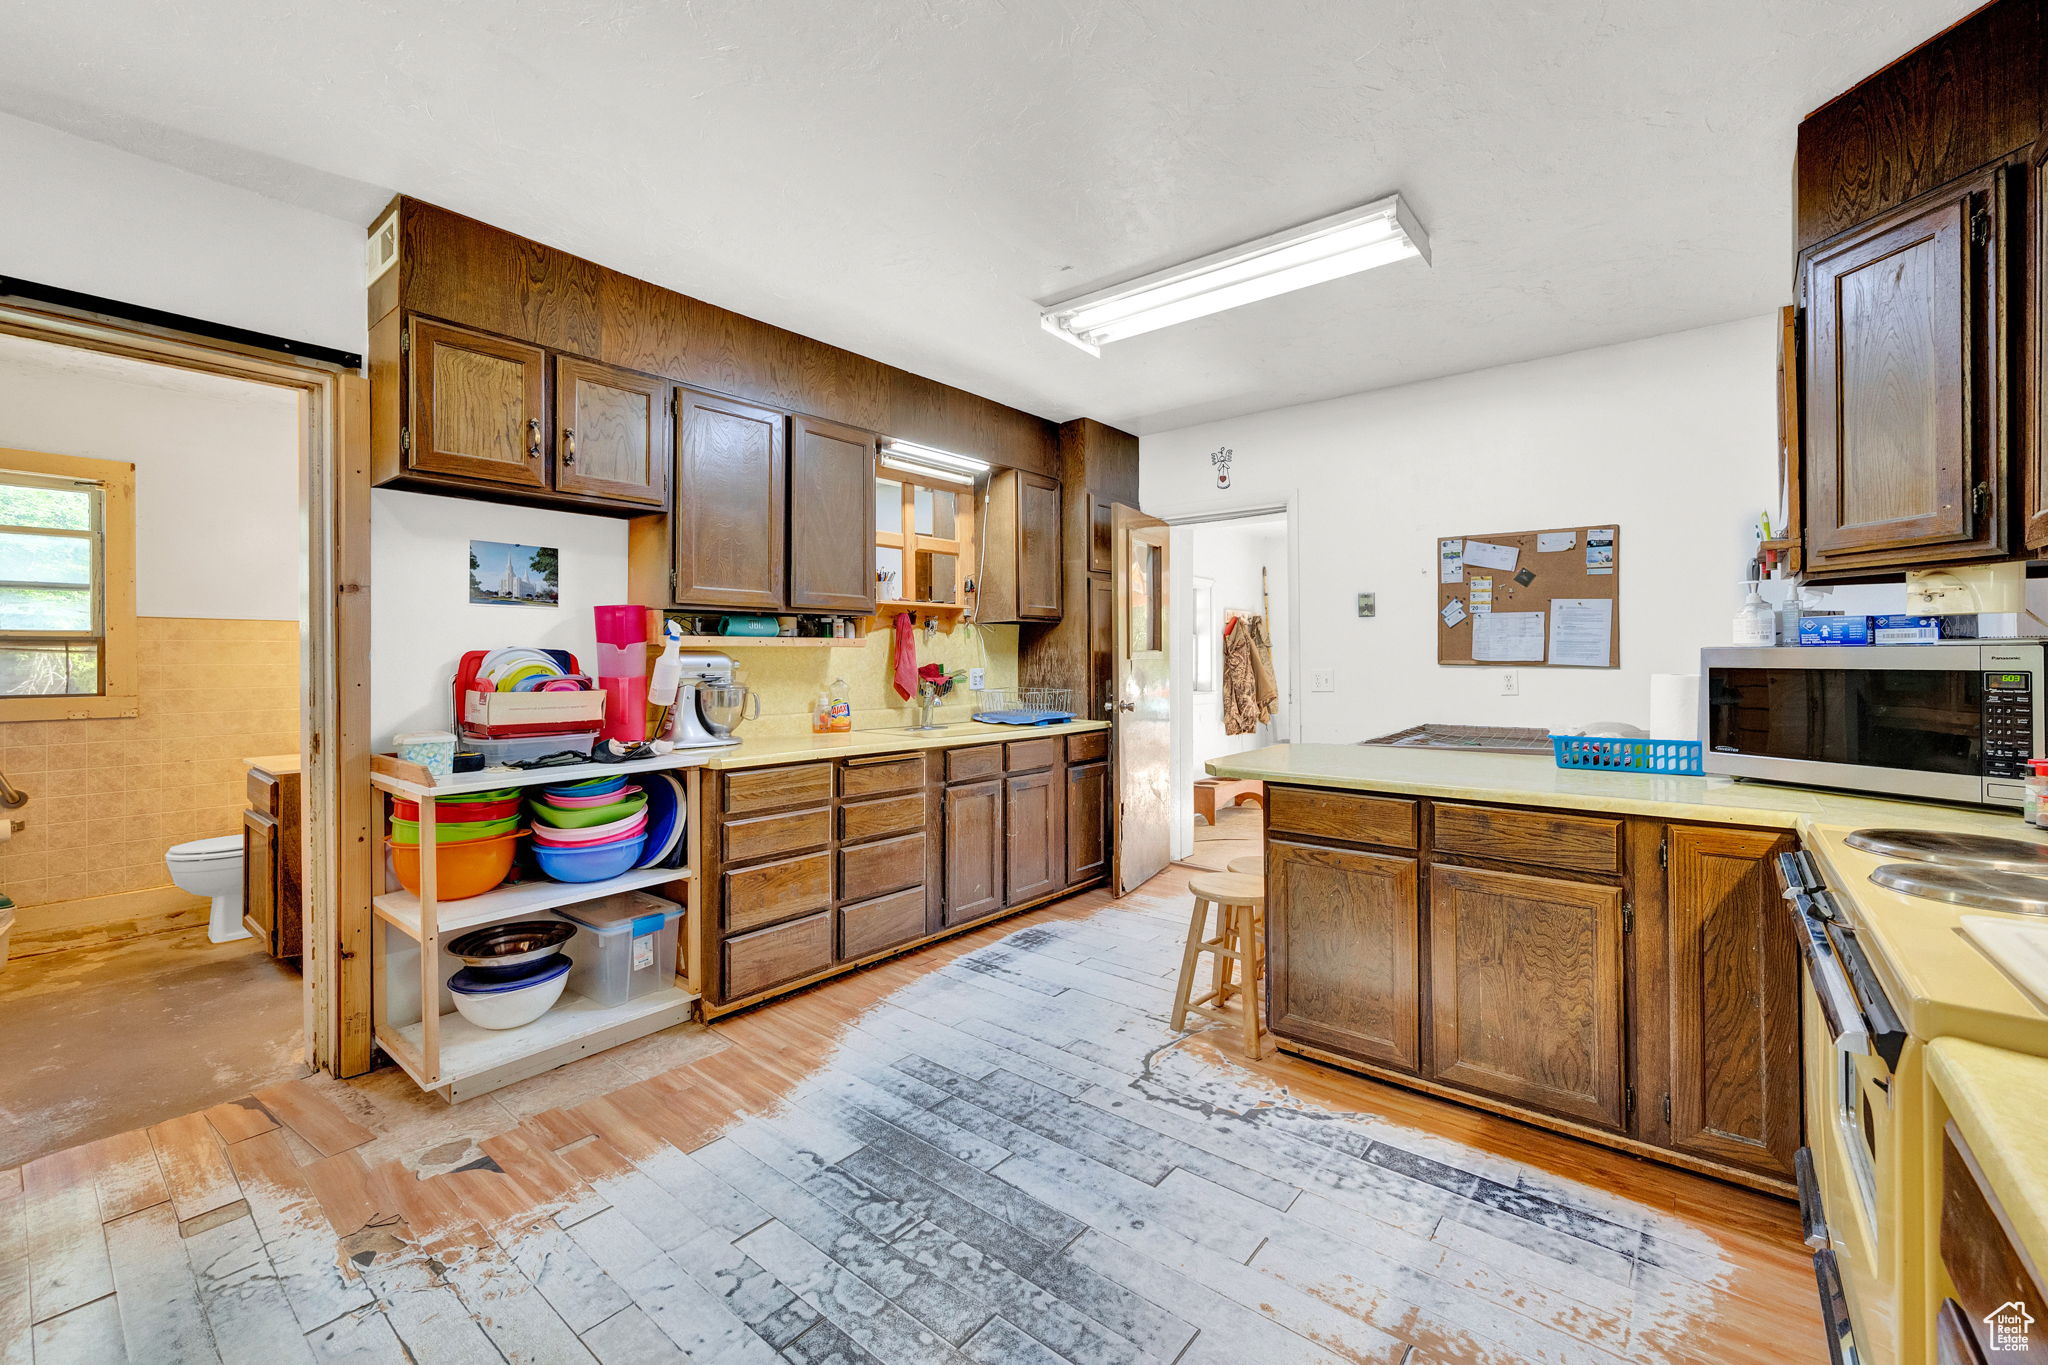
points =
(764, 836)
(769, 957)
(862, 820)
(871, 777)
(1089, 747)
(1544, 838)
(776, 891)
(971, 765)
(877, 869)
(805, 784)
(874, 925)
(1384, 820)
(262, 792)
(1029, 755)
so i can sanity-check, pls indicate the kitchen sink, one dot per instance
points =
(962, 727)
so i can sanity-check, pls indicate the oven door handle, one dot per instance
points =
(1838, 1006)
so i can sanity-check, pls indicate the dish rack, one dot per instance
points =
(1024, 705)
(1676, 757)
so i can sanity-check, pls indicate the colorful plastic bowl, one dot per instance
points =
(595, 834)
(564, 801)
(589, 786)
(499, 1004)
(408, 831)
(460, 870)
(458, 812)
(586, 817)
(597, 864)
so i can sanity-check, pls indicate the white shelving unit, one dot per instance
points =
(414, 1022)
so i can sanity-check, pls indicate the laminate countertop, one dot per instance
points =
(1995, 1098)
(772, 749)
(1936, 979)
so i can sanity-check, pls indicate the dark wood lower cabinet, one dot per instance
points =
(973, 859)
(1636, 982)
(1732, 963)
(1035, 835)
(1345, 928)
(1087, 822)
(1526, 974)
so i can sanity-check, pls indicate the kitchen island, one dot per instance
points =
(1607, 954)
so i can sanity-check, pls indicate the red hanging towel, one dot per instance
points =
(906, 657)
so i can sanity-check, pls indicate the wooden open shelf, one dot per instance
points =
(721, 643)
(401, 909)
(473, 1060)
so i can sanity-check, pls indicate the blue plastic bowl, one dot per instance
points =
(597, 863)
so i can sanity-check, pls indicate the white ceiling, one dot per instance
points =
(907, 178)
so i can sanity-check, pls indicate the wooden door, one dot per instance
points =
(2034, 489)
(1087, 822)
(973, 854)
(612, 432)
(1905, 376)
(1733, 966)
(260, 865)
(831, 517)
(1034, 836)
(1344, 935)
(1039, 565)
(1526, 985)
(731, 507)
(1140, 660)
(478, 406)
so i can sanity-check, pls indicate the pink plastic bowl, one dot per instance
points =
(596, 834)
(581, 802)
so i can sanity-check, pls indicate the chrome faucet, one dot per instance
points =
(11, 797)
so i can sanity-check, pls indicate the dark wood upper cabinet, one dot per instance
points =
(1905, 379)
(1733, 970)
(728, 521)
(1021, 569)
(972, 831)
(1087, 822)
(2033, 454)
(831, 517)
(1346, 929)
(1035, 836)
(1527, 986)
(611, 432)
(478, 407)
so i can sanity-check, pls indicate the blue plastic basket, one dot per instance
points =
(1678, 757)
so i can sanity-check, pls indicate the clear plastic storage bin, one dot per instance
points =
(625, 946)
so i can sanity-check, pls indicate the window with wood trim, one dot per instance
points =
(67, 587)
(924, 539)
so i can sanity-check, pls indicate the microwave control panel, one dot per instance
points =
(2008, 723)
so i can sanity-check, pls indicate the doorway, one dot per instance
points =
(1234, 673)
(169, 547)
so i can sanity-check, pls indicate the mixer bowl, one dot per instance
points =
(725, 705)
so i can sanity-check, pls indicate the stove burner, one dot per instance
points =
(1953, 850)
(1975, 887)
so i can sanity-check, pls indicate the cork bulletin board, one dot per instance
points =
(1554, 596)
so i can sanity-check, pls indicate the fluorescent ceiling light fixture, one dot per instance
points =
(1379, 233)
(912, 458)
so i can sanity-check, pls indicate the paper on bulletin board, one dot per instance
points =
(1553, 542)
(1600, 552)
(1453, 612)
(1508, 637)
(1451, 561)
(1581, 631)
(1481, 593)
(1482, 555)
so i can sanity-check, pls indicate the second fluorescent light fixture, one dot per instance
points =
(1380, 233)
(909, 457)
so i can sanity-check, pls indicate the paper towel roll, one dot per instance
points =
(1674, 706)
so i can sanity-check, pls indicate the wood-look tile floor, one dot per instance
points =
(990, 1151)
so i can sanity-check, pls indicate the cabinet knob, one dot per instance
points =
(533, 438)
(568, 446)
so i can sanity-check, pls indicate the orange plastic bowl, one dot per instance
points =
(465, 869)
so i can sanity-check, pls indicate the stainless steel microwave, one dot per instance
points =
(1946, 722)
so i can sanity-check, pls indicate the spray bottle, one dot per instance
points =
(668, 674)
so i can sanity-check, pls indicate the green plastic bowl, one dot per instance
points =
(586, 816)
(459, 798)
(452, 832)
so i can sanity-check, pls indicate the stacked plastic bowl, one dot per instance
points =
(588, 831)
(475, 836)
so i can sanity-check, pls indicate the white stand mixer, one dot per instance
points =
(709, 702)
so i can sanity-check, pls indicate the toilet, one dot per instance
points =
(213, 868)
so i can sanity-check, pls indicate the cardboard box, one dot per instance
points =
(1834, 630)
(505, 715)
(1905, 630)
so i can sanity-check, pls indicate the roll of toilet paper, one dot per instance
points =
(1674, 706)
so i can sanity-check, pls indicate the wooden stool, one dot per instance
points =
(1238, 950)
(1251, 865)
(1205, 798)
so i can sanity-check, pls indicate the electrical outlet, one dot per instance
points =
(976, 679)
(1511, 684)
(1322, 680)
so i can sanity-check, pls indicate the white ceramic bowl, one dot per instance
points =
(513, 1008)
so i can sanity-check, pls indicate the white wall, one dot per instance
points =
(216, 472)
(1671, 439)
(82, 215)
(421, 618)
